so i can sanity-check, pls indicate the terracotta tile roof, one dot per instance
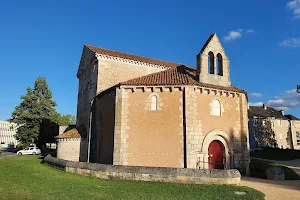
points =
(131, 57)
(180, 75)
(73, 133)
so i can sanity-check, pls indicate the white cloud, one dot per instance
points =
(288, 100)
(232, 35)
(256, 104)
(292, 42)
(294, 5)
(235, 34)
(255, 94)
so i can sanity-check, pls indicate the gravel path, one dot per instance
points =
(289, 189)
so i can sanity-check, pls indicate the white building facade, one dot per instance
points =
(7, 134)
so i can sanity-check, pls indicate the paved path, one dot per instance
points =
(289, 189)
(5, 154)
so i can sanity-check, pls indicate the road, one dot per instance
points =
(6, 154)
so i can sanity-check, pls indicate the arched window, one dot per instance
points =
(216, 108)
(211, 62)
(220, 64)
(153, 102)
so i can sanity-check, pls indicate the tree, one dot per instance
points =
(289, 138)
(266, 135)
(36, 106)
(64, 120)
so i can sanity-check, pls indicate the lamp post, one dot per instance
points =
(298, 89)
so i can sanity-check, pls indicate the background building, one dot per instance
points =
(7, 134)
(285, 127)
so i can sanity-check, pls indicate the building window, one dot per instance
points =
(153, 102)
(216, 108)
(255, 132)
(211, 62)
(280, 136)
(255, 121)
(298, 137)
(220, 64)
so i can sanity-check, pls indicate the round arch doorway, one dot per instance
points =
(216, 156)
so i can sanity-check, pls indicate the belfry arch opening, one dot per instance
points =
(211, 62)
(220, 64)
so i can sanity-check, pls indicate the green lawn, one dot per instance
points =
(24, 177)
(258, 169)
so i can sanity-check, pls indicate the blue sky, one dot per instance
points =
(45, 38)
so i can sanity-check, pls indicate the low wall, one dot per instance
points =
(136, 173)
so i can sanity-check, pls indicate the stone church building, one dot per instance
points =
(139, 111)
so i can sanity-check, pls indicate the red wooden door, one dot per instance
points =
(215, 155)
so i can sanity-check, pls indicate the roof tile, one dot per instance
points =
(131, 57)
(73, 133)
(180, 75)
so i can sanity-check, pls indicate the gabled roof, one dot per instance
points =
(73, 133)
(259, 111)
(180, 75)
(131, 57)
(291, 117)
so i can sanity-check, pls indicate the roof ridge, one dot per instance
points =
(107, 51)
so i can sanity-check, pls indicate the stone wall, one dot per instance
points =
(105, 125)
(216, 47)
(68, 149)
(281, 128)
(158, 174)
(114, 70)
(295, 127)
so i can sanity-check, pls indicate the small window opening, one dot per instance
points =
(216, 108)
(153, 102)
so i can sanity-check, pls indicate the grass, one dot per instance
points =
(288, 172)
(258, 169)
(277, 154)
(24, 177)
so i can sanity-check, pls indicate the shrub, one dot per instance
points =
(258, 169)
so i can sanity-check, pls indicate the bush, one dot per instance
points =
(258, 169)
(277, 154)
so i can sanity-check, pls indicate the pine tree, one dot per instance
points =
(36, 107)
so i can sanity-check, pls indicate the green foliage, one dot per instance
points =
(258, 169)
(277, 154)
(29, 179)
(266, 135)
(64, 120)
(289, 139)
(36, 115)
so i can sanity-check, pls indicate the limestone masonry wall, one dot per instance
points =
(158, 174)
(68, 149)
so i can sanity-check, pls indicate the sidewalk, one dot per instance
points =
(289, 189)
